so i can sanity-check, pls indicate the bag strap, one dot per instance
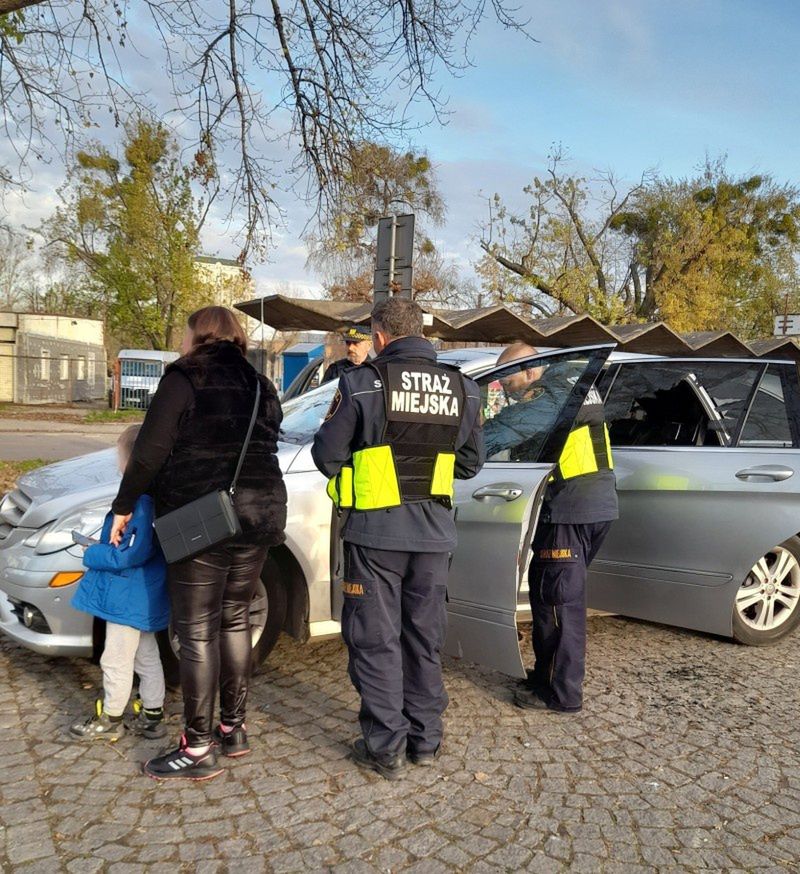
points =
(250, 427)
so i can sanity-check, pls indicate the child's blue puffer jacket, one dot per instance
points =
(126, 584)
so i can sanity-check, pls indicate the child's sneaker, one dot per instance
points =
(181, 763)
(232, 743)
(147, 723)
(99, 726)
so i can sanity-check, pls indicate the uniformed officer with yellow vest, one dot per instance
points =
(579, 506)
(398, 432)
(358, 340)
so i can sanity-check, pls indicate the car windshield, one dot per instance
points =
(303, 415)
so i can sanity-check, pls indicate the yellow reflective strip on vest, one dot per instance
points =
(577, 458)
(346, 487)
(375, 482)
(340, 488)
(608, 448)
(443, 475)
(333, 489)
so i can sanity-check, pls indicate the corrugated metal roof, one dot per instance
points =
(499, 324)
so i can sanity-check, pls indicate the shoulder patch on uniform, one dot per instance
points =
(335, 404)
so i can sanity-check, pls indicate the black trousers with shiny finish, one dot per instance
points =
(210, 596)
(557, 582)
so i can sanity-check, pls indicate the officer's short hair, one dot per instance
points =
(399, 317)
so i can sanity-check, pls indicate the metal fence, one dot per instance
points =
(48, 379)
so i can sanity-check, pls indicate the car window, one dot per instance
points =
(767, 423)
(679, 403)
(303, 415)
(525, 402)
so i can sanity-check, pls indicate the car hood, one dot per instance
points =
(48, 492)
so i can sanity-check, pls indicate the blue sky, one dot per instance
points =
(628, 85)
(623, 84)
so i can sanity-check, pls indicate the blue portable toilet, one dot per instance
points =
(296, 357)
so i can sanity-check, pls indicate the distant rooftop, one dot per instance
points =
(213, 259)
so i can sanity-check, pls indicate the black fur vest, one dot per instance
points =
(212, 431)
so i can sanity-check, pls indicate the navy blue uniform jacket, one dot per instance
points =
(357, 418)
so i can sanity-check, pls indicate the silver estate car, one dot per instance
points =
(707, 455)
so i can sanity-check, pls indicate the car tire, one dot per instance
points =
(270, 601)
(277, 605)
(767, 604)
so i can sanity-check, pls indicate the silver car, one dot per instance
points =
(705, 450)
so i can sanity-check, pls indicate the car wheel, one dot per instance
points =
(267, 615)
(767, 605)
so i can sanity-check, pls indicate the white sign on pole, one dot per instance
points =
(787, 326)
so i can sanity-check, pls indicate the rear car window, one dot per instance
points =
(679, 403)
(767, 423)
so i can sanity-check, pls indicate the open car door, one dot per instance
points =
(529, 406)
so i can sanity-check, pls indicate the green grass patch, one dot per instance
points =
(111, 416)
(10, 471)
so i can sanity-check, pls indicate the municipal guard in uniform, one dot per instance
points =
(579, 506)
(400, 429)
(359, 341)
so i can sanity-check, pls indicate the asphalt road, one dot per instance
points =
(21, 439)
(20, 445)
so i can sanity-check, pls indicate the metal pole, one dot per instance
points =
(263, 363)
(786, 313)
(392, 257)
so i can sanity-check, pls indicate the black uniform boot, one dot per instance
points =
(424, 760)
(390, 769)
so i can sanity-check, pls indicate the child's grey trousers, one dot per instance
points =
(127, 650)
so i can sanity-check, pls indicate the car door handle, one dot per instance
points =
(765, 473)
(507, 493)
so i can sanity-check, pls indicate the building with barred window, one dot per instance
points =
(51, 359)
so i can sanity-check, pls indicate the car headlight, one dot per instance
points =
(58, 535)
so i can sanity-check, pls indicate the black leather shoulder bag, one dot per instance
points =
(208, 521)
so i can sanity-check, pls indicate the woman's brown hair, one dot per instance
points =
(213, 324)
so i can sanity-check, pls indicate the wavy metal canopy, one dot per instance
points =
(499, 324)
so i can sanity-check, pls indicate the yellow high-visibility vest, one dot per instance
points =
(371, 481)
(587, 450)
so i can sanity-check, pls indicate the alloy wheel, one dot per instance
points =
(771, 592)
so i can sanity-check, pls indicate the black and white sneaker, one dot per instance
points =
(232, 743)
(99, 726)
(181, 763)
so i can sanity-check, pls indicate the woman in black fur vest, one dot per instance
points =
(188, 446)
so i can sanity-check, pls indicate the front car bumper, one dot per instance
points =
(24, 580)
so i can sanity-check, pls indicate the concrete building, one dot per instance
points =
(230, 282)
(51, 359)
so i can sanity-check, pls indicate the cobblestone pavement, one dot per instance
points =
(685, 758)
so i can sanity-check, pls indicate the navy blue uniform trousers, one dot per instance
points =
(394, 622)
(557, 584)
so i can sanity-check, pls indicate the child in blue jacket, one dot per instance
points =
(126, 586)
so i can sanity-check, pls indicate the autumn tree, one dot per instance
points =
(132, 224)
(16, 257)
(707, 252)
(319, 76)
(382, 181)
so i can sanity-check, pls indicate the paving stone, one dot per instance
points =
(675, 765)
